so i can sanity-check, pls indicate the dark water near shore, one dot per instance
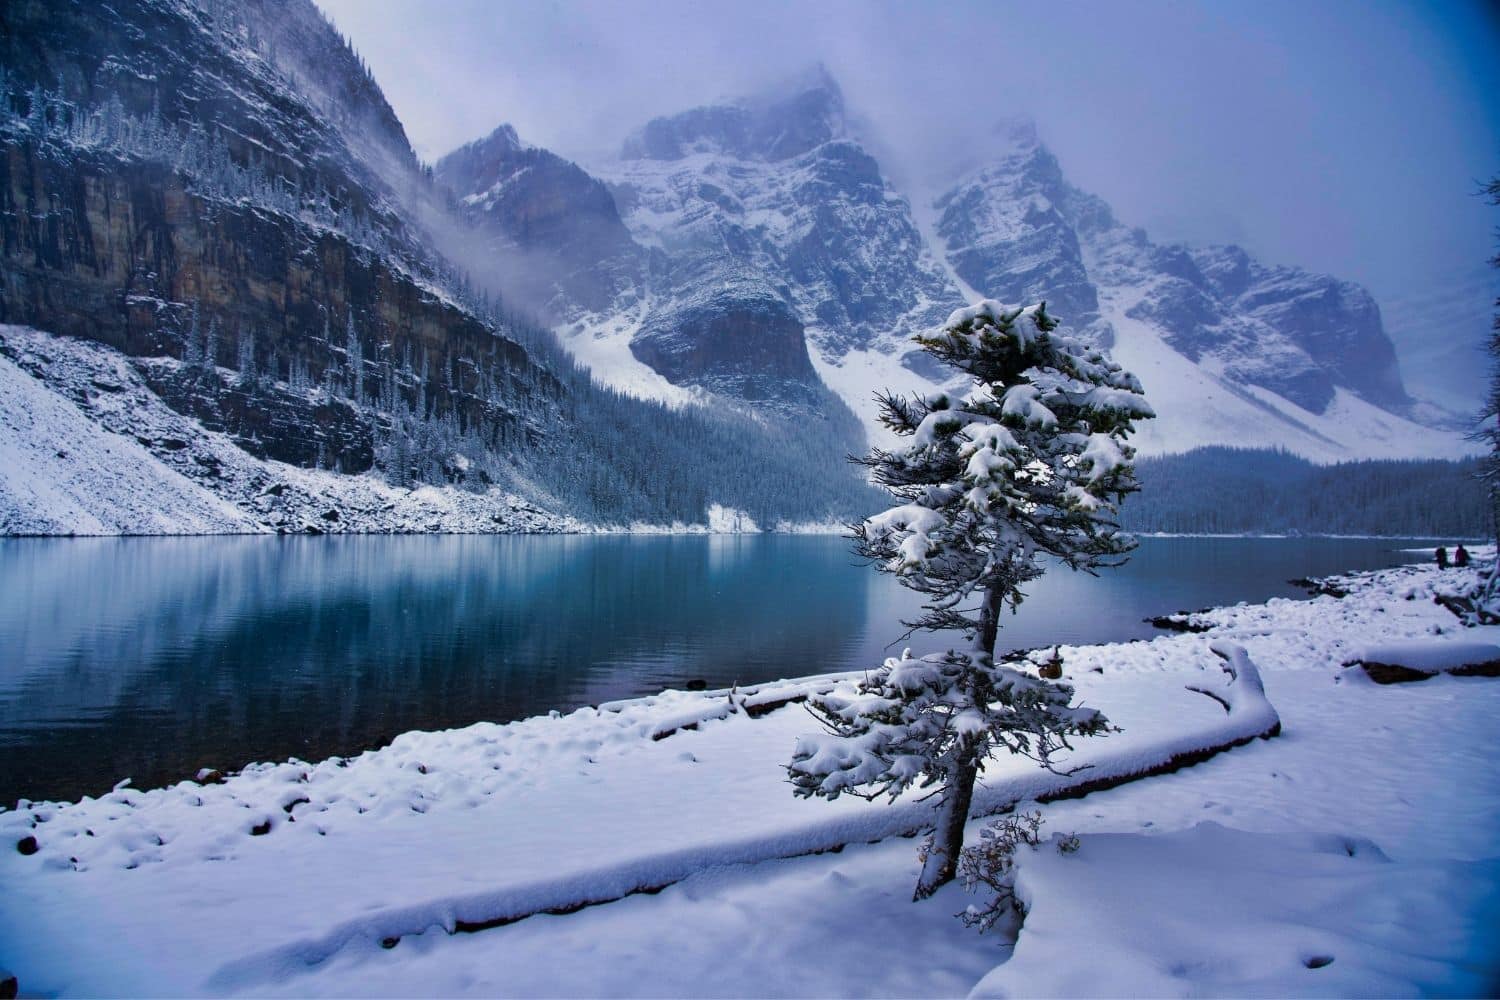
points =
(151, 657)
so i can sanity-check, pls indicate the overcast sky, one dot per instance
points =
(1343, 136)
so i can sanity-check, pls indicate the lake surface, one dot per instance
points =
(149, 658)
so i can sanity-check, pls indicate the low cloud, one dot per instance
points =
(1344, 137)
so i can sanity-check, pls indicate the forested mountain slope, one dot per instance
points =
(1240, 491)
(220, 191)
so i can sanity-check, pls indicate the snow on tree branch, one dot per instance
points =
(1031, 465)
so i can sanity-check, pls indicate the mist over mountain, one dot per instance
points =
(306, 318)
(1338, 138)
(763, 214)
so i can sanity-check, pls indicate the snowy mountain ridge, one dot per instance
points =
(760, 215)
(1248, 354)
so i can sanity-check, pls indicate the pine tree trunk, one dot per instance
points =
(948, 837)
(989, 620)
(1495, 518)
(1489, 587)
(958, 794)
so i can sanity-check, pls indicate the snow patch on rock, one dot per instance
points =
(91, 450)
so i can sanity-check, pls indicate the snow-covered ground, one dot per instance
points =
(61, 473)
(86, 448)
(1197, 408)
(1352, 854)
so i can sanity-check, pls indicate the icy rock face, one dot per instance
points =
(1298, 334)
(1336, 322)
(1007, 234)
(771, 195)
(269, 420)
(556, 226)
(736, 340)
(1016, 230)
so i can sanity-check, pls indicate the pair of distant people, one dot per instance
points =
(1460, 557)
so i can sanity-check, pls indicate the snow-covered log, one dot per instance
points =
(1419, 659)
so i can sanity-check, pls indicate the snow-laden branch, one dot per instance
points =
(1032, 463)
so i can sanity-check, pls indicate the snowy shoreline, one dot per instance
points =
(705, 529)
(371, 865)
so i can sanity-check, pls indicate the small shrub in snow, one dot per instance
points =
(1029, 466)
(991, 864)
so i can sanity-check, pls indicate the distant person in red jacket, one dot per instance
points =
(1442, 557)
(1460, 556)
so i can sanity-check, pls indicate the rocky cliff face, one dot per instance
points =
(729, 239)
(1007, 235)
(552, 229)
(179, 176)
(732, 339)
(1336, 322)
(777, 188)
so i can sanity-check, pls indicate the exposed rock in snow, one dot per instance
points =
(734, 338)
(1419, 659)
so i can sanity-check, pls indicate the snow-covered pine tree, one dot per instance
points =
(1487, 432)
(1029, 467)
(245, 359)
(192, 342)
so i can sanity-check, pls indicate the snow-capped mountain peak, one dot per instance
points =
(766, 234)
(786, 121)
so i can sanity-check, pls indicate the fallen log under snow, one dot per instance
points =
(1420, 659)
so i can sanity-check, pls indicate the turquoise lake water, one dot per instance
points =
(149, 658)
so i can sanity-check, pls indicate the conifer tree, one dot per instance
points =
(1028, 468)
(1487, 432)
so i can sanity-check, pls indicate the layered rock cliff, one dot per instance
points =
(174, 177)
